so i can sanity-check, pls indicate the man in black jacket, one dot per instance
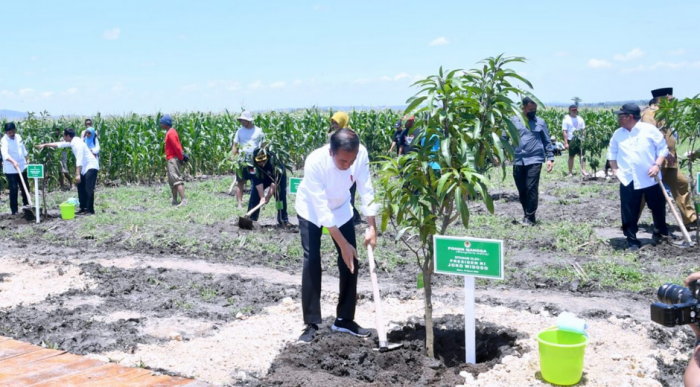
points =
(269, 173)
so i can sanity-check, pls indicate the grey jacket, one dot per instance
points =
(534, 145)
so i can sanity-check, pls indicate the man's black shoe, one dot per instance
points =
(308, 334)
(632, 248)
(349, 326)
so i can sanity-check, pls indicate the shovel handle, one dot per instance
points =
(26, 191)
(673, 209)
(254, 209)
(381, 329)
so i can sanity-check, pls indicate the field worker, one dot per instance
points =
(86, 168)
(269, 173)
(534, 147)
(248, 137)
(341, 120)
(407, 136)
(557, 145)
(674, 179)
(636, 153)
(574, 127)
(323, 200)
(396, 138)
(175, 159)
(63, 164)
(15, 159)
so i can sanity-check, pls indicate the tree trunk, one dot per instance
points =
(428, 292)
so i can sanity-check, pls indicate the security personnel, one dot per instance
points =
(672, 175)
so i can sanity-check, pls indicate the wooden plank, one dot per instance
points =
(125, 376)
(10, 367)
(12, 348)
(51, 368)
(107, 373)
(158, 381)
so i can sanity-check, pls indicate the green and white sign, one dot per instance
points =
(35, 171)
(294, 184)
(468, 256)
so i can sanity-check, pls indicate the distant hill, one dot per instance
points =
(12, 114)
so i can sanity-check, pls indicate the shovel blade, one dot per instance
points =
(29, 214)
(245, 223)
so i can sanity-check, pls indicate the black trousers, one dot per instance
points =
(631, 201)
(527, 179)
(311, 274)
(86, 191)
(15, 187)
(356, 214)
(280, 196)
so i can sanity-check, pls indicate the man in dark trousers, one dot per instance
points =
(637, 152)
(269, 173)
(323, 200)
(533, 149)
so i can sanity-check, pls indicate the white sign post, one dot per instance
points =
(469, 258)
(36, 172)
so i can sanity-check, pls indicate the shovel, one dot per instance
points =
(688, 241)
(29, 214)
(384, 345)
(244, 222)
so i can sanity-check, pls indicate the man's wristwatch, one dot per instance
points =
(658, 165)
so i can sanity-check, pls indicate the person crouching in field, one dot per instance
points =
(86, 168)
(269, 173)
(175, 157)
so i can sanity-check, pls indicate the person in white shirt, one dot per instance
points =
(248, 137)
(86, 168)
(323, 200)
(574, 127)
(637, 151)
(15, 159)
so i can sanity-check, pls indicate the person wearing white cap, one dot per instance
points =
(248, 137)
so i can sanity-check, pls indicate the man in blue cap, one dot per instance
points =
(175, 157)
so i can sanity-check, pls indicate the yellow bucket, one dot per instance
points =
(67, 211)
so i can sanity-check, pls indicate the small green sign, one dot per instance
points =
(294, 184)
(35, 171)
(468, 256)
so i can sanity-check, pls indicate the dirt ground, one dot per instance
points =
(229, 317)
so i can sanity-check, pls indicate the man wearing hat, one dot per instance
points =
(15, 159)
(407, 136)
(248, 137)
(636, 153)
(573, 127)
(673, 177)
(396, 143)
(175, 157)
(269, 173)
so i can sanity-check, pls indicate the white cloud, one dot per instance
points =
(277, 85)
(400, 76)
(598, 63)
(255, 85)
(632, 55)
(385, 78)
(628, 70)
(191, 87)
(112, 34)
(418, 77)
(441, 41)
(561, 53)
(72, 90)
(297, 82)
(26, 91)
(362, 81)
(47, 94)
(7, 93)
(678, 52)
(674, 65)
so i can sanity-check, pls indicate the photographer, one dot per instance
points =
(692, 371)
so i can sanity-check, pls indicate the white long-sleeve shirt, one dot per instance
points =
(323, 197)
(15, 149)
(83, 157)
(635, 152)
(570, 128)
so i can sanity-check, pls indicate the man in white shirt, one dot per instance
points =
(573, 127)
(15, 159)
(248, 137)
(86, 168)
(323, 200)
(637, 152)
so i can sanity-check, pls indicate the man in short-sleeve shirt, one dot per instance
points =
(573, 127)
(247, 138)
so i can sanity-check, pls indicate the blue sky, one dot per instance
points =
(80, 57)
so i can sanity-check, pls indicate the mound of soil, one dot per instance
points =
(341, 359)
(112, 315)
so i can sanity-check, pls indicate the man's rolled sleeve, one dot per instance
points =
(548, 149)
(613, 149)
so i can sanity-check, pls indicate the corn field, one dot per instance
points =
(132, 147)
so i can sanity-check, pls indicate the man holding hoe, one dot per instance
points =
(323, 200)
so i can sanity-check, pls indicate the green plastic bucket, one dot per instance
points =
(561, 356)
(325, 231)
(67, 211)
